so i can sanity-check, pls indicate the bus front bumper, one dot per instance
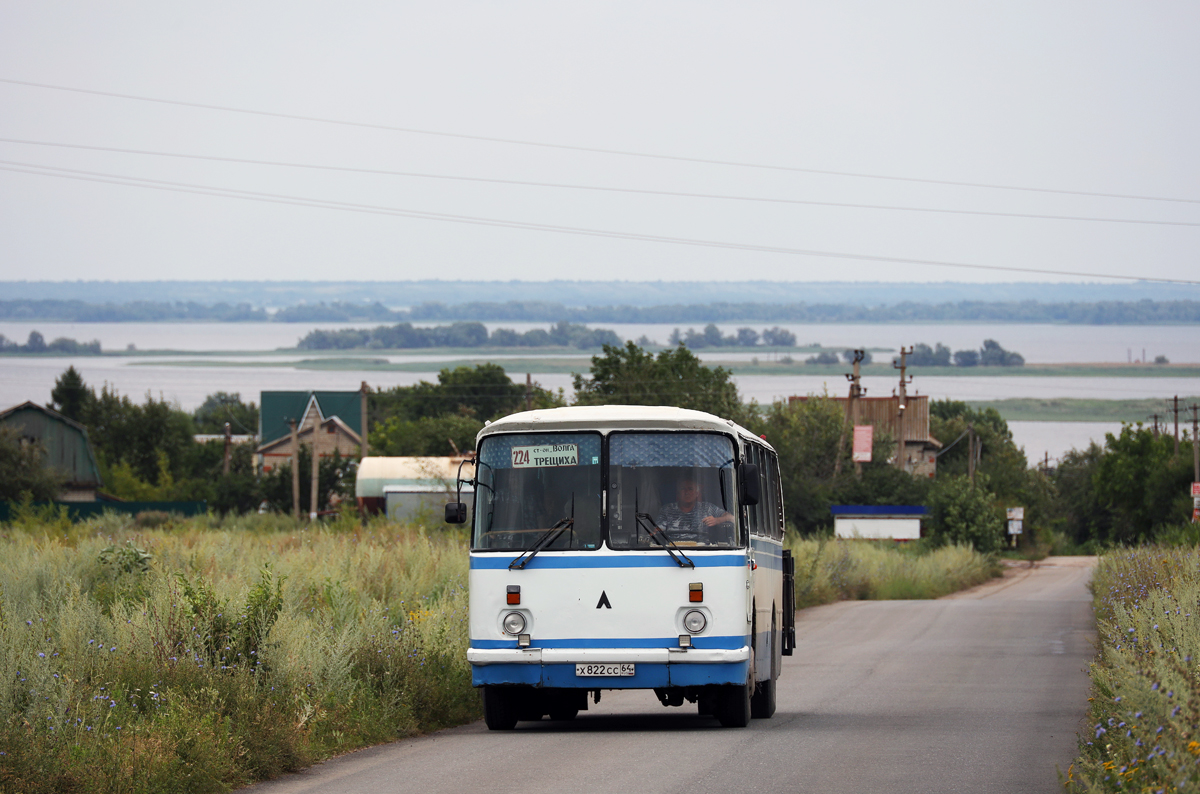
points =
(654, 667)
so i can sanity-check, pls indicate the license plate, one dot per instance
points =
(603, 669)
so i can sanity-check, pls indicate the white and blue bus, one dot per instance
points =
(626, 547)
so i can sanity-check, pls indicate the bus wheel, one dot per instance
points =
(499, 708)
(732, 703)
(762, 703)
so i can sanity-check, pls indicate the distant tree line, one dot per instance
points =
(990, 355)
(743, 337)
(134, 311)
(460, 334)
(1142, 312)
(38, 344)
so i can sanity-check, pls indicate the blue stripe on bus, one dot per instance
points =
(730, 643)
(647, 675)
(501, 561)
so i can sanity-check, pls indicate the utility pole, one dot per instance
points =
(316, 469)
(228, 442)
(1195, 409)
(1176, 409)
(366, 390)
(901, 448)
(528, 392)
(856, 391)
(1155, 418)
(295, 469)
(971, 452)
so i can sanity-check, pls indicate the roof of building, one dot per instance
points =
(284, 441)
(65, 441)
(377, 474)
(878, 511)
(277, 408)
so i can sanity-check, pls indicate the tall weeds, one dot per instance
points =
(214, 653)
(832, 570)
(1145, 704)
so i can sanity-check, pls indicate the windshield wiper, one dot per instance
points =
(659, 536)
(566, 522)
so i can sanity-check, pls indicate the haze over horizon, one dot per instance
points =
(861, 114)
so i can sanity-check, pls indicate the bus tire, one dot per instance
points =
(732, 707)
(762, 702)
(499, 708)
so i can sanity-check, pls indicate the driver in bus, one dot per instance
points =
(689, 518)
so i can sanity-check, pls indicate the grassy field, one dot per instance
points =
(1073, 410)
(198, 655)
(1144, 727)
(834, 570)
(204, 656)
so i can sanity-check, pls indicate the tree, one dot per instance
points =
(748, 337)
(965, 513)
(429, 435)
(1142, 483)
(631, 376)
(23, 470)
(966, 358)
(71, 397)
(778, 337)
(221, 407)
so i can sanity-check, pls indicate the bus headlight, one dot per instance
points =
(514, 623)
(694, 621)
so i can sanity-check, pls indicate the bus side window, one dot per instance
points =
(763, 506)
(771, 487)
(754, 512)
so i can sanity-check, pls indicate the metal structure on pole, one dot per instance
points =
(856, 391)
(901, 449)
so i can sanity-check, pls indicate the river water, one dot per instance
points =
(32, 378)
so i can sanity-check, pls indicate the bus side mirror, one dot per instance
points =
(748, 484)
(456, 513)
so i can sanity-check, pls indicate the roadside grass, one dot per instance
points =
(1144, 726)
(830, 570)
(208, 653)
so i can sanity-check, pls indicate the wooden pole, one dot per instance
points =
(528, 392)
(316, 470)
(228, 443)
(295, 469)
(363, 448)
(971, 452)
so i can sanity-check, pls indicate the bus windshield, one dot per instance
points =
(675, 487)
(530, 483)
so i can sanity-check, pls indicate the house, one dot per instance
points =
(919, 449)
(67, 447)
(335, 420)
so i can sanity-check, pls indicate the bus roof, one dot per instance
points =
(604, 418)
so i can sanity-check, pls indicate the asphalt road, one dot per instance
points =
(979, 692)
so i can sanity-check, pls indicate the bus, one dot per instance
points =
(626, 547)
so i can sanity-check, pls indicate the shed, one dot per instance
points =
(66, 443)
(407, 487)
(894, 522)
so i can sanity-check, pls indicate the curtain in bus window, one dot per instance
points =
(671, 486)
(530, 483)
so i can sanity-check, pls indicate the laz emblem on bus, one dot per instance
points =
(545, 455)
(603, 602)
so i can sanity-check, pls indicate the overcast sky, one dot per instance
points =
(1090, 97)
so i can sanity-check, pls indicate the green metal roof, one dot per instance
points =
(277, 408)
(65, 440)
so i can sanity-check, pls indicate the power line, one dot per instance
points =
(598, 188)
(591, 149)
(183, 187)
